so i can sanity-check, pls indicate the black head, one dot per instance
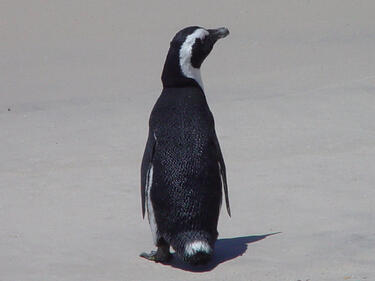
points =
(187, 51)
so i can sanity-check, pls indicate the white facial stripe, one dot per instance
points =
(185, 56)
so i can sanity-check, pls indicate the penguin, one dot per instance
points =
(183, 170)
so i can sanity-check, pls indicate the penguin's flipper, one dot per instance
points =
(223, 174)
(145, 168)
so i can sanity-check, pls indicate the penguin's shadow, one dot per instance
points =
(225, 249)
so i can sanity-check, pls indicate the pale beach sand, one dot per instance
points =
(292, 90)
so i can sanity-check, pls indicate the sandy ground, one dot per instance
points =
(293, 93)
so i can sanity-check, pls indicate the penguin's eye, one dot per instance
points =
(200, 51)
(198, 42)
(202, 45)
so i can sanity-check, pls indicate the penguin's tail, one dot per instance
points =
(194, 247)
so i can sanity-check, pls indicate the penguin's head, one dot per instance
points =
(188, 49)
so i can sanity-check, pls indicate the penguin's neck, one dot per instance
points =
(179, 72)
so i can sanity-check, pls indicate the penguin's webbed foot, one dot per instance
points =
(161, 255)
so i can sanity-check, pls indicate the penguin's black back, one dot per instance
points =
(186, 186)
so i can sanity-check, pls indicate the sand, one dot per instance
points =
(292, 90)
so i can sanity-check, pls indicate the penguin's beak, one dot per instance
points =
(219, 33)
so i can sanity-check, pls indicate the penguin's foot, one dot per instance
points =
(161, 255)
